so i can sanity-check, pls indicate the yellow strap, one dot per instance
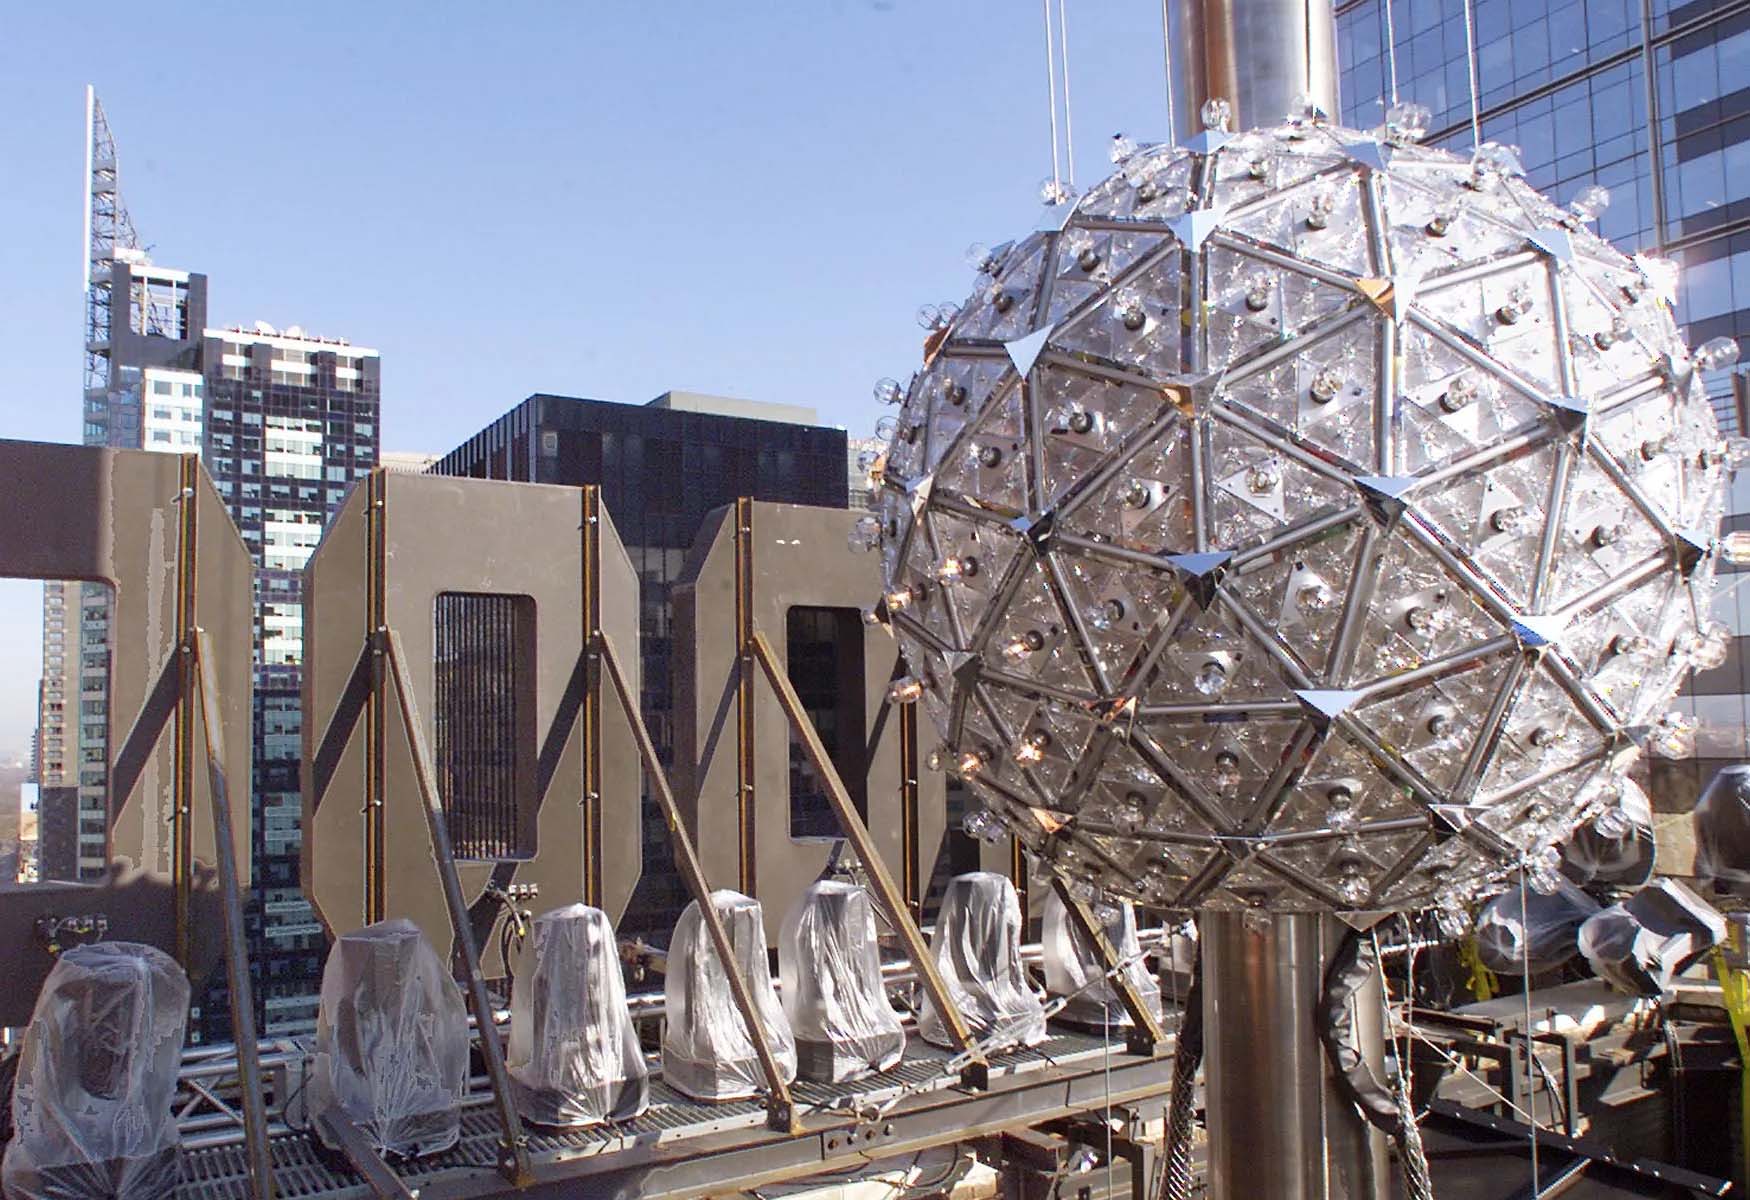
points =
(1735, 995)
(1480, 980)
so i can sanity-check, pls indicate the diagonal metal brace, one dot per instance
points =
(780, 1108)
(379, 1177)
(977, 1073)
(513, 1150)
(1146, 1035)
(236, 948)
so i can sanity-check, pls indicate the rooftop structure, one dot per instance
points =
(662, 467)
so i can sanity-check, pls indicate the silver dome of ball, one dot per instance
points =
(1301, 520)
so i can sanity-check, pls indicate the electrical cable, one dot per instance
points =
(1525, 993)
(1176, 1177)
(1389, 1110)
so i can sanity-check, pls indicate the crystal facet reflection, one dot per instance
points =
(1340, 513)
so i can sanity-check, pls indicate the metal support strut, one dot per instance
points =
(780, 1109)
(1145, 1035)
(513, 1159)
(887, 892)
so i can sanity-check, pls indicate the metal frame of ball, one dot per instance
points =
(976, 460)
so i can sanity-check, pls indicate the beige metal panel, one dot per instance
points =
(118, 517)
(444, 534)
(622, 780)
(332, 771)
(800, 556)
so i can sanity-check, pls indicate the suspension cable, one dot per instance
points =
(1069, 133)
(1525, 994)
(1391, 50)
(1167, 67)
(1051, 94)
(1470, 56)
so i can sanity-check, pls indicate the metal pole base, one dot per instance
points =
(1277, 1127)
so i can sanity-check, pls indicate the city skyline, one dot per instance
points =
(782, 265)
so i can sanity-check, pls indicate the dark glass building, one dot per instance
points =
(661, 467)
(1652, 100)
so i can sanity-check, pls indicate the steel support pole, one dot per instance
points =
(1277, 1125)
(1258, 55)
(780, 1108)
(513, 1159)
(200, 649)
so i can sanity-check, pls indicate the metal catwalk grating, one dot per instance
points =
(303, 1172)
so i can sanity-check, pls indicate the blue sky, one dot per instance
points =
(603, 199)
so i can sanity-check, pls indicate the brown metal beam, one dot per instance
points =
(780, 1109)
(886, 891)
(182, 794)
(513, 1159)
(198, 651)
(379, 1177)
(744, 727)
(376, 711)
(913, 875)
(1146, 1035)
(592, 701)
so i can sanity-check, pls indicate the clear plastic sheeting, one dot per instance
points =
(1073, 968)
(1540, 936)
(706, 1050)
(391, 1041)
(1640, 945)
(977, 945)
(829, 963)
(574, 1058)
(1722, 832)
(91, 1107)
(1614, 849)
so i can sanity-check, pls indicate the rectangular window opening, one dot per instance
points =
(824, 660)
(484, 707)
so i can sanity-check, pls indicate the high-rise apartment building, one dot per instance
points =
(1651, 99)
(284, 422)
(142, 390)
(290, 420)
(661, 467)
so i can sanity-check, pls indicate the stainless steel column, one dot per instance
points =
(1259, 55)
(1277, 1126)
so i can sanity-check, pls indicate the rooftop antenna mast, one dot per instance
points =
(108, 228)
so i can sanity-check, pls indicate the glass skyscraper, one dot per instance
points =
(1652, 100)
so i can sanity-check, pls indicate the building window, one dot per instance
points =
(485, 709)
